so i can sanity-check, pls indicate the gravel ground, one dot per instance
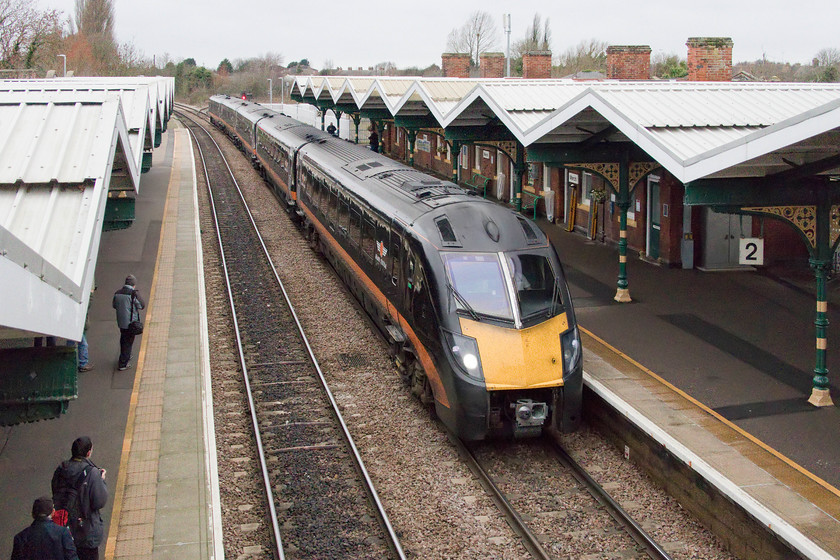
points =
(436, 506)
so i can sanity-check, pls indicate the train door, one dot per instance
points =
(396, 283)
(654, 220)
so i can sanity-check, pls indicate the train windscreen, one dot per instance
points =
(485, 284)
(535, 284)
(478, 284)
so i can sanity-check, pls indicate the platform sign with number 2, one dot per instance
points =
(751, 251)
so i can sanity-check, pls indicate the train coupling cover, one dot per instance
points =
(529, 417)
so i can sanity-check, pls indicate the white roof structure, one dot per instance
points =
(139, 103)
(60, 154)
(693, 129)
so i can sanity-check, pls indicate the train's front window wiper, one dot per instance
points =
(462, 300)
(478, 284)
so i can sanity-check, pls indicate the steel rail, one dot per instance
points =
(529, 540)
(251, 405)
(613, 507)
(394, 542)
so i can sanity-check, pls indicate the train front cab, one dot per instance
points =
(516, 367)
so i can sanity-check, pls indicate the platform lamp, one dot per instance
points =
(64, 56)
(270, 92)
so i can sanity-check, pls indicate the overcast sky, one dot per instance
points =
(414, 33)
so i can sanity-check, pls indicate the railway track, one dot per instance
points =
(527, 507)
(320, 501)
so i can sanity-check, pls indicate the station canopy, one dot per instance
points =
(693, 129)
(61, 152)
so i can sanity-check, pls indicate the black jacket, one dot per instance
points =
(93, 497)
(44, 540)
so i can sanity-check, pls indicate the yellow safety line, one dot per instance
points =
(711, 412)
(113, 527)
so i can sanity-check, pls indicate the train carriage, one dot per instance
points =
(470, 295)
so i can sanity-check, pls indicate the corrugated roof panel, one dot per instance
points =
(51, 221)
(710, 105)
(533, 95)
(447, 90)
(52, 141)
(394, 88)
(686, 143)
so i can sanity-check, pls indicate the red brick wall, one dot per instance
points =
(709, 59)
(492, 65)
(455, 65)
(628, 62)
(536, 65)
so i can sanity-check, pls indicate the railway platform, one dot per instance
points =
(148, 422)
(711, 363)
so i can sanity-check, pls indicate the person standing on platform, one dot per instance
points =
(79, 492)
(44, 540)
(128, 303)
(374, 141)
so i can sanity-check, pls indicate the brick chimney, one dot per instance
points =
(536, 65)
(628, 62)
(492, 65)
(455, 65)
(709, 59)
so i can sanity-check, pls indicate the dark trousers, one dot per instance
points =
(88, 553)
(126, 342)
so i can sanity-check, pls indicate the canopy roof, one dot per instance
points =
(60, 154)
(693, 129)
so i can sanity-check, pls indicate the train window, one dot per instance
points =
(355, 225)
(382, 250)
(343, 216)
(478, 284)
(534, 281)
(316, 192)
(332, 209)
(368, 237)
(396, 258)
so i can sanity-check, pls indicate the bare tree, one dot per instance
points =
(94, 17)
(26, 34)
(827, 57)
(588, 55)
(537, 37)
(478, 35)
(386, 68)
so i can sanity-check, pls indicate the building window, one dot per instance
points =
(586, 188)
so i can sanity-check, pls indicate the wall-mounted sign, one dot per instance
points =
(574, 178)
(751, 251)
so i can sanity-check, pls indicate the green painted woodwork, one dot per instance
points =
(37, 383)
(119, 213)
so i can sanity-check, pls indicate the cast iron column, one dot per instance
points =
(820, 395)
(337, 122)
(357, 119)
(622, 293)
(519, 168)
(411, 133)
(456, 159)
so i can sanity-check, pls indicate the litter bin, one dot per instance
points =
(548, 198)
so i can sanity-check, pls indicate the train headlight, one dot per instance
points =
(465, 351)
(571, 350)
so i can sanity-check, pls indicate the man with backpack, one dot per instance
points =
(128, 303)
(79, 492)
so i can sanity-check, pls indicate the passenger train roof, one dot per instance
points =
(407, 194)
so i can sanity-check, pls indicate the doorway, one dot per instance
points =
(654, 221)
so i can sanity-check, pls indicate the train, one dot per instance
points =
(469, 294)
